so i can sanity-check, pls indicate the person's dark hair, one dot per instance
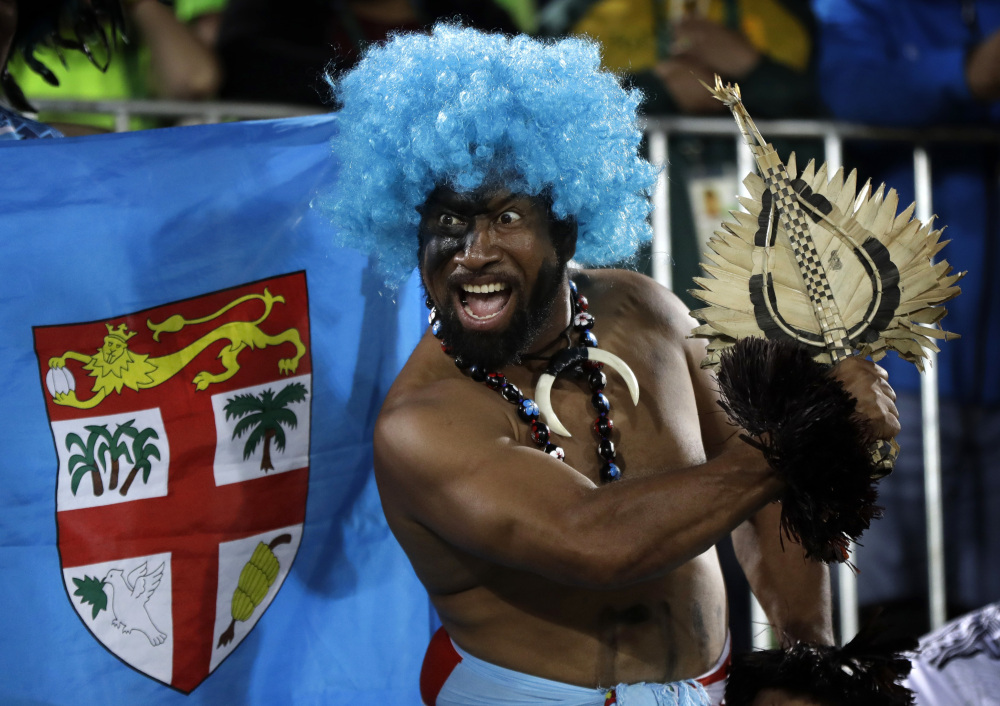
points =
(78, 25)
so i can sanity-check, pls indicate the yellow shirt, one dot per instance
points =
(629, 29)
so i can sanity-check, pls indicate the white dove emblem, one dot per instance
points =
(129, 596)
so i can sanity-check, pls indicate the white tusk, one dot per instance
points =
(543, 397)
(620, 367)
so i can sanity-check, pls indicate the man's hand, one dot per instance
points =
(682, 78)
(718, 49)
(982, 69)
(869, 385)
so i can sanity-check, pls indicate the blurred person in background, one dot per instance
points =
(169, 54)
(666, 47)
(923, 63)
(959, 663)
(277, 50)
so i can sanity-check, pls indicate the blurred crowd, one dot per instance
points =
(905, 63)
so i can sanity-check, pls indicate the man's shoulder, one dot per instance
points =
(628, 290)
(425, 401)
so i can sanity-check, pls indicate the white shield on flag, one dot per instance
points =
(182, 434)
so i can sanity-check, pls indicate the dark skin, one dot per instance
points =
(531, 563)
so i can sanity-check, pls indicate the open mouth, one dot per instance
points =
(484, 302)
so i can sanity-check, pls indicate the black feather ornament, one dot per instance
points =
(805, 424)
(867, 671)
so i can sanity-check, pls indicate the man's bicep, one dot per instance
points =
(716, 428)
(479, 490)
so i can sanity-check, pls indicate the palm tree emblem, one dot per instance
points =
(263, 416)
(102, 452)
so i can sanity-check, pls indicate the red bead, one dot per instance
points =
(539, 432)
(581, 301)
(496, 381)
(603, 426)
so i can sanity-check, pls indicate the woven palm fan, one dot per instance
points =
(816, 269)
(843, 273)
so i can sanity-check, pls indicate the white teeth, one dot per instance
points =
(479, 318)
(484, 288)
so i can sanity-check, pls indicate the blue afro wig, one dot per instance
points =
(458, 107)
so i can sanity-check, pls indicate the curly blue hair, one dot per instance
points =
(457, 107)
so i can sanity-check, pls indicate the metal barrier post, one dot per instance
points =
(931, 425)
(659, 155)
(122, 120)
(847, 581)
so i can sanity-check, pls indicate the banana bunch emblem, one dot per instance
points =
(256, 578)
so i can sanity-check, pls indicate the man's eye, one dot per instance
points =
(449, 221)
(508, 217)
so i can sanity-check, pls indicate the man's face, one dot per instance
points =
(488, 262)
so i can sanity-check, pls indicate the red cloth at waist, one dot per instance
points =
(439, 662)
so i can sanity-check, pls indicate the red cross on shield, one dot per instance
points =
(182, 436)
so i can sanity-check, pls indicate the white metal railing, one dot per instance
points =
(659, 130)
(201, 111)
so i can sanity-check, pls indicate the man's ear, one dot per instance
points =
(564, 233)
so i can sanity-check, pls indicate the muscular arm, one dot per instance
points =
(478, 489)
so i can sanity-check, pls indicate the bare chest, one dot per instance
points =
(661, 432)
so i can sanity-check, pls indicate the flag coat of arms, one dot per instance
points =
(183, 470)
(191, 377)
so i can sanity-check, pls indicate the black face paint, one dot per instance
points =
(440, 242)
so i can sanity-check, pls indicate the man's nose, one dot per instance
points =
(480, 246)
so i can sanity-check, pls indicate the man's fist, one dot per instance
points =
(869, 385)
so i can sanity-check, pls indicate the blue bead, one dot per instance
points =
(528, 410)
(572, 288)
(588, 339)
(610, 473)
(436, 328)
(601, 403)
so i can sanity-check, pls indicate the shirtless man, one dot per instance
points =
(553, 580)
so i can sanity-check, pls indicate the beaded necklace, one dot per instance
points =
(581, 323)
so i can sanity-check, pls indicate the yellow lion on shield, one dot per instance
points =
(114, 366)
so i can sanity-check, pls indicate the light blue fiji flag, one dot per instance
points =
(191, 373)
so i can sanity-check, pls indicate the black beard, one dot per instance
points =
(493, 350)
